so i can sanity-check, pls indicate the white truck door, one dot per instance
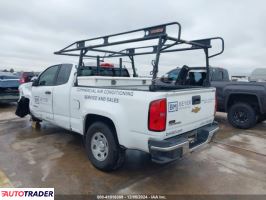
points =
(42, 94)
(61, 96)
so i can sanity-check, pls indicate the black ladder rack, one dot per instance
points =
(164, 43)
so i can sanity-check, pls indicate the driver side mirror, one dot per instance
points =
(33, 78)
(35, 82)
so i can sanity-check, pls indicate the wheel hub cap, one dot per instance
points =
(99, 146)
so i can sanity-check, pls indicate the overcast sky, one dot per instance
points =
(31, 30)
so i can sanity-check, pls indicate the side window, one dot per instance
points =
(63, 75)
(225, 76)
(220, 76)
(217, 75)
(47, 78)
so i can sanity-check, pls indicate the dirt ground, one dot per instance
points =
(233, 163)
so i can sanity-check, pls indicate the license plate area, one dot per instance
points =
(192, 138)
(197, 137)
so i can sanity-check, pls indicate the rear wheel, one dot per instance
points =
(102, 147)
(242, 115)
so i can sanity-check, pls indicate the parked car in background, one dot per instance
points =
(243, 101)
(26, 77)
(9, 84)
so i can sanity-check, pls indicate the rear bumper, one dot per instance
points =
(5, 98)
(174, 148)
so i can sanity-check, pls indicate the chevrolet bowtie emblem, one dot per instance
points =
(196, 109)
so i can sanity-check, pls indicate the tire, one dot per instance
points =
(102, 147)
(242, 115)
(35, 119)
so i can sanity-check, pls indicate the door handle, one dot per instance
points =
(48, 92)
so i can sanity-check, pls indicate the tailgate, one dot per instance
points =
(189, 109)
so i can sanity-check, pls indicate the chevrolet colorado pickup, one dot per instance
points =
(244, 102)
(117, 112)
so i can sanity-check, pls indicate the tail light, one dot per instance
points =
(157, 115)
(215, 106)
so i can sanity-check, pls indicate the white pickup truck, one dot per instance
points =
(118, 113)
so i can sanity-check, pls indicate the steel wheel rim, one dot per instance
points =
(99, 146)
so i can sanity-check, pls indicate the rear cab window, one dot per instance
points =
(217, 75)
(112, 72)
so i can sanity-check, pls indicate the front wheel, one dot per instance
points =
(242, 115)
(102, 147)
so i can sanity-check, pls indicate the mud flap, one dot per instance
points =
(23, 107)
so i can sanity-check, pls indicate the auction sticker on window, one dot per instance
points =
(27, 193)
